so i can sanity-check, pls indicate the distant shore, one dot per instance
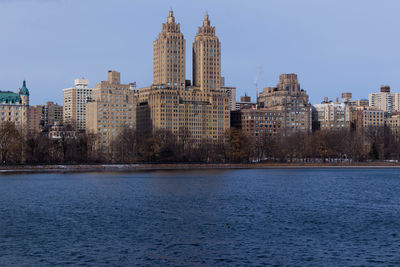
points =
(183, 166)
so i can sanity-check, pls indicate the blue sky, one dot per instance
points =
(333, 45)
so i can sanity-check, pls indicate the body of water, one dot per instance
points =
(281, 217)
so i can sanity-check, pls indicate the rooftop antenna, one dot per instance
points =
(256, 81)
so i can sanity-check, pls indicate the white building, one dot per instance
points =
(385, 100)
(74, 103)
(332, 116)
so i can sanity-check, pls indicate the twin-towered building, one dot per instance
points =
(198, 110)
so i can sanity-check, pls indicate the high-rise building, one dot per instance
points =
(74, 103)
(14, 107)
(291, 101)
(382, 100)
(169, 56)
(201, 111)
(206, 58)
(111, 109)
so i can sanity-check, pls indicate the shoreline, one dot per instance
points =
(182, 166)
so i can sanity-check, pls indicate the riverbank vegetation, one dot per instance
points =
(379, 144)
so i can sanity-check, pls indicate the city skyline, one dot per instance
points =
(50, 43)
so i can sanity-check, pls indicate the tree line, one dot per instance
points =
(163, 146)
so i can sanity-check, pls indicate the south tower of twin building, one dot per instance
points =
(207, 58)
(199, 112)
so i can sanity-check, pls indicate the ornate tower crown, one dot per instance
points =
(171, 18)
(24, 90)
(170, 26)
(206, 21)
(206, 29)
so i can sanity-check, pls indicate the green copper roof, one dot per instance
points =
(9, 98)
(24, 90)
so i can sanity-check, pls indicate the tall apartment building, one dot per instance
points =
(382, 100)
(74, 103)
(52, 113)
(111, 109)
(201, 111)
(332, 116)
(14, 107)
(291, 101)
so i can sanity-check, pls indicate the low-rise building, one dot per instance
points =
(368, 117)
(394, 124)
(60, 131)
(257, 123)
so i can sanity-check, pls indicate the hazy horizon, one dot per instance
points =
(333, 46)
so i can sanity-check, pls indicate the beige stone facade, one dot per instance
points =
(200, 112)
(368, 117)
(169, 56)
(207, 58)
(14, 107)
(291, 101)
(231, 92)
(111, 109)
(74, 103)
(394, 124)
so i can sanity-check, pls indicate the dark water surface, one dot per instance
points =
(295, 217)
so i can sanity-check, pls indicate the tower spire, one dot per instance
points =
(171, 18)
(206, 21)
